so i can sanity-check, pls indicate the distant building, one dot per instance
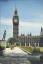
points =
(29, 39)
(41, 37)
(33, 40)
(41, 33)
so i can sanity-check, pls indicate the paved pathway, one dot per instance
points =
(15, 56)
(16, 51)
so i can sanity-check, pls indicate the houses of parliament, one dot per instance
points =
(38, 40)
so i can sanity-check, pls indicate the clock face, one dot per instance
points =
(15, 20)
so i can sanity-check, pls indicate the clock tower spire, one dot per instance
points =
(15, 24)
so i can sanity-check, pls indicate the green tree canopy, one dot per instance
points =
(11, 40)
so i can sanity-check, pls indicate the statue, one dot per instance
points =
(4, 35)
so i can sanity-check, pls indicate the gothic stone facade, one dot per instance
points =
(22, 38)
(15, 25)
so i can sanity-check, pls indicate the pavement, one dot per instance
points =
(16, 51)
(18, 56)
(14, 56)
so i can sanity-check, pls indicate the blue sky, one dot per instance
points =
(30, 16)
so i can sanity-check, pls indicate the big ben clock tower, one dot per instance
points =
(15, 25)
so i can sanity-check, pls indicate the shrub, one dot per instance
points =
(30, 49)
(1, 50)
(36, 50)
(7, 46)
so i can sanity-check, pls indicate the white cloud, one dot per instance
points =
(22, 23)
(24, 27)
(6, 24)
(27, 27)
(6, 21)
(30, 24)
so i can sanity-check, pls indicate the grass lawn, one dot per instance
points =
(41, 49)
(30, 49)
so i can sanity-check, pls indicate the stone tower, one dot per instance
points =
(41, 37)
(15, 24)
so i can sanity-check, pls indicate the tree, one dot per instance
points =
(11, 40)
